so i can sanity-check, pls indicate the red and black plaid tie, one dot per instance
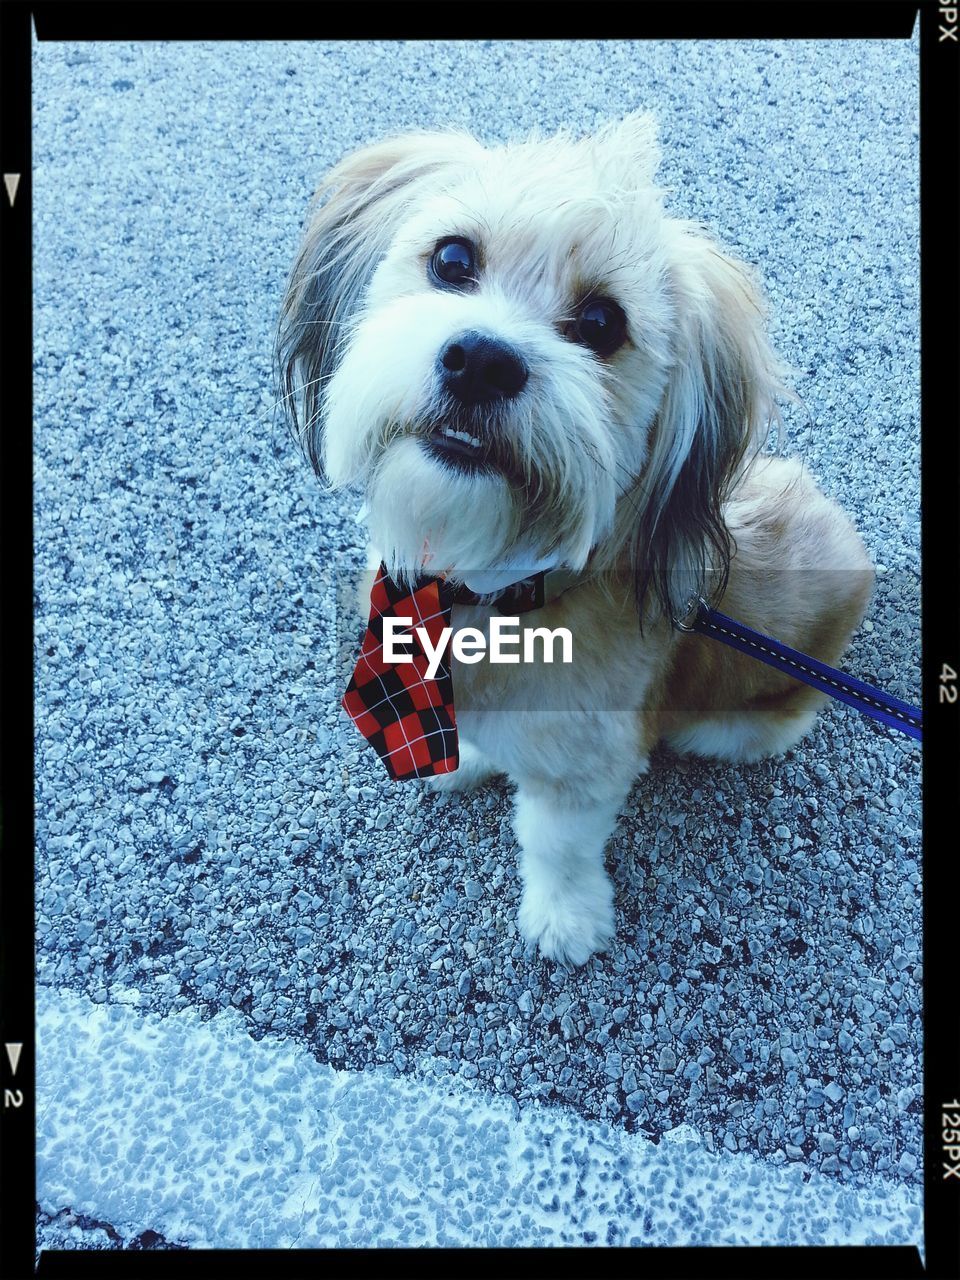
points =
(408, 719)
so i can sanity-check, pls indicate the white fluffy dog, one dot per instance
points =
(524, 360)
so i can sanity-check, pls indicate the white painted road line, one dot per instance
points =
(195, 1130)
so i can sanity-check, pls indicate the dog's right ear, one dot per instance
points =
(352, 220)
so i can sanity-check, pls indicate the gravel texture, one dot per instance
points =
(210, 831)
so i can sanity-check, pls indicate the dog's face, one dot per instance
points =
(518, 354)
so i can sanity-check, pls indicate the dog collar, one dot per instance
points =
(523, 596)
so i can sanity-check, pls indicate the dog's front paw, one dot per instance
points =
(473, 770)
(569, 926)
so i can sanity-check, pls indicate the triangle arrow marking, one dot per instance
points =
(13, 1053)
(11, 181)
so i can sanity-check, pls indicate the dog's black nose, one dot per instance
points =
(476, 368)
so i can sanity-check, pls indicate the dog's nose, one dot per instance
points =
(476, 368)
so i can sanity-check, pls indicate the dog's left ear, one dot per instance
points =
(716, 410)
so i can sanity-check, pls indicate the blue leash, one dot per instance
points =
(535, 591)
(872, 702)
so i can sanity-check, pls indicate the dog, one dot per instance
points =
(523, 359)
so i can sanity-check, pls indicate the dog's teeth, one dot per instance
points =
(462, 436)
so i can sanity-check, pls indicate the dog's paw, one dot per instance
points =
(569, 927)
(473, 770)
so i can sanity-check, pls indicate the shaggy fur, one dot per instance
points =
(639, 469)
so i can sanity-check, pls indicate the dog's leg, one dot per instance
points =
(473, 770)
(567, 902)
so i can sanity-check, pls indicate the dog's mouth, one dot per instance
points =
(458, 449)
(469, 454)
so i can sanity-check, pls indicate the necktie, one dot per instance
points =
(408, 719)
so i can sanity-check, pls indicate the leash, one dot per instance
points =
(541, 588)
(855, 693)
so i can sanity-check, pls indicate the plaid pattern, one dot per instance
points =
(408, 719)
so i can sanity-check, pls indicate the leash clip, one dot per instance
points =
(686, 620)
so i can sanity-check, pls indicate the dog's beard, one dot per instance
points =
(426, 516)
(541, 479)
(441, 502)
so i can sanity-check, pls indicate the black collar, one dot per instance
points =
(524, 596)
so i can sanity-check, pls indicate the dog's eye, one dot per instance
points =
(454, 262)
(601, 326)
